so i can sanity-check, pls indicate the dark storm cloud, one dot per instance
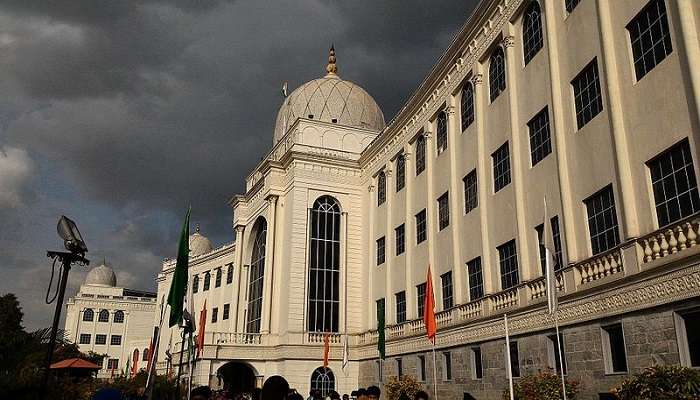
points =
(129, 111)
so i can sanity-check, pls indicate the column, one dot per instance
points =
(517, 166)
(237, 275)
(269, 263)
(617, 124)
(371, 301)
(389, 250)
(410, 233)
(431, 213)
(686, 11)
(453, 127)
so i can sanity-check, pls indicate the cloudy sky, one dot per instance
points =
(118, 113)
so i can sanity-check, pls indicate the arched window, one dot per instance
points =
(207, 281)
(119, 317)
(323, 379)
(88, 315)
(467, 105)
(257, 273)
(420, 154)
(134, 362)
(218, 278)
(195, 284)
(145, 354)
(497, 73)
(400, 172)
(103, 316)
(381, 188)
(441, 137)
(229, 274)
(324, 266)
(532, 31)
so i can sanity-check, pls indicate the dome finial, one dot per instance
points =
(196, 229)
(331, 68)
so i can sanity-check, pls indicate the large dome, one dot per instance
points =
(102, 275)
(330, 99)
(199, 244)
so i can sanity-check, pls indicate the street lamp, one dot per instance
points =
(74, 243)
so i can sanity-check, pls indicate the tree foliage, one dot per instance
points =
(543, 386)
(395, 387)
(661, 383)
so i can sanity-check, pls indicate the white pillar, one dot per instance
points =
(453, 127)
(409, 233)
(237, 276)
(269, 264)
(389, 247)
(371, 256)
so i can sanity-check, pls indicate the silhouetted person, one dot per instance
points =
(346, 397)
(421, 395)
(362, 394)
(373, 393)
(200, 393)
(275, 388)
(334, 395)
(403, 396)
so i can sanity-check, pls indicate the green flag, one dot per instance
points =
(380, 328)
(178, 287)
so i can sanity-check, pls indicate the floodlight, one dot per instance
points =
(72, 240)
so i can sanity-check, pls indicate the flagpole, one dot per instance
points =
(154, 350)
(561, 357)
(435, 377)
(190, 358)
(508, 360)
(179, 365)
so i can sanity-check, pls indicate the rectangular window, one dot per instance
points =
(508, 259)
(540, 248)
(476, 279)
(227, 311)
(100, 339)
(214, 314)
(381, 250)
(112, 364)
(420, 297)
(229, 274)
(447, 301)
(207, 281)
(447, 358)
(400, 307)
(556, 237)
(217, 282)
(399, 367)
(477, 366)
(540, 143)
(400, 233)
(674, 184)
(514, 359)
(650, 37)
(501, 167)
(471, 198)
(602, 220)
(421, 369)
(116, 340)
(420, 154)
(400, 172)
(587, 96)
(553, 353)
(571, 4)
(688, 332)
(84, 338)
(421, 227)
(443, 211)
(379, 371)
(614, 353)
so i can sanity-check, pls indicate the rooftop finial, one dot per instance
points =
(331, 68)
(197, 227)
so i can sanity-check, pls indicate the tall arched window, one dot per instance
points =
(88, 315)
(119, 317)
(420, 154)
(324, 266)
(229, 274)
(532, 31)
(467, 105)
(145, 354)
(323, 379)
(381, 188)
(207, 281)
(497, 73)
(103, 316)
(195, 284)
(441, 137)
(257, 273)
(400, 172)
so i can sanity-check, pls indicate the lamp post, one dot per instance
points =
(73, 242)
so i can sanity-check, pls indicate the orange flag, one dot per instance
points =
(429, 309)
(202, 323)
(326, 349)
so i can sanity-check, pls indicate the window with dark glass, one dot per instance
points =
(602, 220)
(421, 226)
(229, 274)
(400, 307)
(195, 284)
(532, 31)
(540, 142)
(476, 280)
(691, 331)
(84, 338)
(381, 188)
(501, 167)
(497, 73)
(587, 95)
(553, 350)
(214, 314)
(400, 233)
(227, 311)
(571, 4)
(323, 380)
(399, 367)
(118, 317)
(471, 192)
(400, 172)
(467, 105)
(443, 211)
(207, 281)
(217, 281)
(540, 247)
(422, 368)
(116, 340)
(441, 137)
(614, 351)
(381, 250)
(100, 339)
(556, 236)
(257, 274)
(420, 297)
(477, 365)
(447, 359)
(103, 316)
(508, 260)
(88, 315)
(674, 184)
(514, 359)
(420, 154)
(112, 363)
(447, 300)
(324, 268)
(650, 37)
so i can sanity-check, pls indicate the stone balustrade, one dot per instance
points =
(600, 266)
(470, 310)
(319, 337)
(504, 299)
(670, 240)
(537, 288)
(233, 338)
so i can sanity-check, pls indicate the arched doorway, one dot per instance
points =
(322, 379)
(237, 377)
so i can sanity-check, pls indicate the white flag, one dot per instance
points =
(550, 275)
(346, 356)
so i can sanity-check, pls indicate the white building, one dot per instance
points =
(111, 320)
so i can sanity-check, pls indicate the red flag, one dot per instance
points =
(326, 349)
(429, 309)
(202, 323)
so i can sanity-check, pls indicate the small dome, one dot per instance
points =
(102, 275)
(330, 99)
(199, 244)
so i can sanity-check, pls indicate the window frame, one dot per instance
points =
(420, 154)
(501, 178)
(91, 314)
(553, 353)
(115, 340)
(381, 250)
(400, 178)
(100, 339)
(467, 109)
(503, 264)
(226, 313)
(666, 39)
(475, 288)
(540, 136)
(217, 280)
(608, 358)
(381, 188)
(443, 209)
(207, 281)
(532, 34)
(447, 366)
(447, 287)
(514, 358)
(477, 369)
(596, 101)
(400, 299)
(400, 239)
(441, 133)
(470, 184)
(501, 80)
(421, 289)
(118, 317)
(682, 336)
(588, 203)
(421, 226)
(84, 338)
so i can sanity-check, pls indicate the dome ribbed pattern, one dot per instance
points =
(199, 244)
(102, 275)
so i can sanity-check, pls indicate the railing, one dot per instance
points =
(233, 338)
(319, 337)
(600, 266)
(505, 299)
(538, 288)
(670, 240)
